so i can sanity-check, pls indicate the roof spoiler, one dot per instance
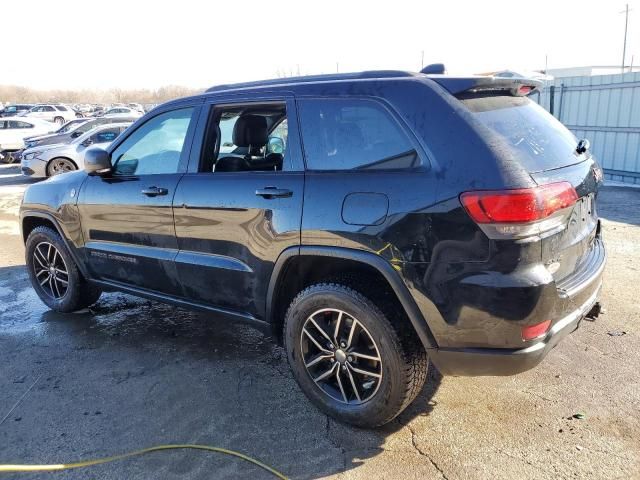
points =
(459, 86)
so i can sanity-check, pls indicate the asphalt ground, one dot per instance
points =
(131, 373)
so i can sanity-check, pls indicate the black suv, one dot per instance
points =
(375, 221)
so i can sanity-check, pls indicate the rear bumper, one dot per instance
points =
(486, 361)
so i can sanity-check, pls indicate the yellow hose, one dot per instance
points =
(157, 448)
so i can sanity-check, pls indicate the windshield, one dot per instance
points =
(536, 138)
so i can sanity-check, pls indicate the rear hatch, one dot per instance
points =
(546, 149)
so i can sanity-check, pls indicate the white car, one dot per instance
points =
(136, 106)
(13, 131)
(49, 160)
(59, 114)
(122, 112)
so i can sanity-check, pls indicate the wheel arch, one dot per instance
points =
(286, 282)
(29, 220)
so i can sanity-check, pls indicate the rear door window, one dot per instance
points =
(348, 134)
(535, 138)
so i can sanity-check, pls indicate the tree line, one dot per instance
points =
(18, 94)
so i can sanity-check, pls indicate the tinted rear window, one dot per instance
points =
(534, 136)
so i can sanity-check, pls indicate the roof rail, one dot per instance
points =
(370, 74)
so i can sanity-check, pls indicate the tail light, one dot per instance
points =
(534, 331)
(523, 90)
(522, 212)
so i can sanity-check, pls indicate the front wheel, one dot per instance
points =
(6, 157)
(54, 275)
(349, 359)
(60, 165)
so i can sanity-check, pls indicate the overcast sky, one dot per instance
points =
(115, 43)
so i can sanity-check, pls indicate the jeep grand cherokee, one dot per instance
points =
(375, 221)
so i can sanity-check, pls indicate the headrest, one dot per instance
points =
(250, 130)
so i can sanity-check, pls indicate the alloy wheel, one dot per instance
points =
(341, 356)
(50, 270)
(60, 165)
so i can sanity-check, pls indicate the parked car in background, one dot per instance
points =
(136, 106)
(13, 131)
(77, 112)
(49, 160)
(66, 128)
(59, 114)
(78, 128)
(96, 111)
(15, 110)
(121, 112)
(83, 108)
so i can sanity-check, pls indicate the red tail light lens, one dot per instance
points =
(518, 206)
(534, 331)
(524, 90)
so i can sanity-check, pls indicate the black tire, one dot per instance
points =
(7, 157)
(77, 294)
(403, 360)
(58, 120)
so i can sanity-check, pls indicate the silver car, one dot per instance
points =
(49, 160)
(122, 112)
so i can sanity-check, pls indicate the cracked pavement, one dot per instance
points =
(132, 373)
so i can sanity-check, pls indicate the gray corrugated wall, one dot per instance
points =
(606, 110)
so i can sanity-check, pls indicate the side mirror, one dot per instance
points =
(275, 145)
(97, 161)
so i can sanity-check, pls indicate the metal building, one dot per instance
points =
(604, 109)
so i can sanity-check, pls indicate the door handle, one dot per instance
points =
(273, 192)
(154, 191)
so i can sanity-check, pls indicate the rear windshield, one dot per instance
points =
(535, 137)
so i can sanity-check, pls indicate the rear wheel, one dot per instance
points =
(60, 165)
(348, 358)
(59, 120)
(54, 275)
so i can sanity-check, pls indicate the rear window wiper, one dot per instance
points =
(583, 146)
